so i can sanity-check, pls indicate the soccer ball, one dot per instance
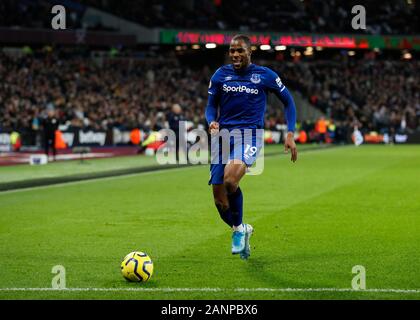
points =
(137, 266)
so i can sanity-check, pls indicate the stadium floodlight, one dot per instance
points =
(280, 48)
(295, 53)
(351, 53)
(210, 45)
(265, 47)
(407, 55)
(195, 46)
(309, 51)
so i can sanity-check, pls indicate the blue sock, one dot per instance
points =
(236, 205)
(225, 214)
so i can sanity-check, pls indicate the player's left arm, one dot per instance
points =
(275, 85)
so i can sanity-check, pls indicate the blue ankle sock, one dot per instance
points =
(236, 205)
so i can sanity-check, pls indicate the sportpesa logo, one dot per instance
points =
(241, 89)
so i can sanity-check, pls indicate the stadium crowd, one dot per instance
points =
(384, 17)
(37, 14)
(103, 93)
(97, 94)
(374, 95)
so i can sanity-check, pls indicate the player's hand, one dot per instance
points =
(290, 144)
(214, 127)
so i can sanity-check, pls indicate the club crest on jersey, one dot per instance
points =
(255, 78)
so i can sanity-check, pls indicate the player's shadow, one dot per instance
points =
(256, 267)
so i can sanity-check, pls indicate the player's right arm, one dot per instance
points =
(213, 103)
(275, 85)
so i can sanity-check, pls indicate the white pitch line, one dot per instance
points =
(373, 290)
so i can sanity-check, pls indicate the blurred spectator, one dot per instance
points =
(321, 129)
(174, 118)
(50, 126)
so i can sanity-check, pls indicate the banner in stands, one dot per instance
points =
(413, 138)
(5, 142)
(112, 137)
(78, 137)
(374, 137)
(120, 137)
(345, 41)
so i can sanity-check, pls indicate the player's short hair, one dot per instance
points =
(244, 38)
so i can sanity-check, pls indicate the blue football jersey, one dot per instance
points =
(240, 97)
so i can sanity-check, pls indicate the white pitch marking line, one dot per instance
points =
(416, 291)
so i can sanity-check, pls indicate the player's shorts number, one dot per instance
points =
(250, 151)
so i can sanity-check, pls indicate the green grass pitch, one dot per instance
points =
(314, 220)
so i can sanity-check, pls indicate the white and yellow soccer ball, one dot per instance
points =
(137, 266)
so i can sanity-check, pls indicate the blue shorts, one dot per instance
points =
(244, 145)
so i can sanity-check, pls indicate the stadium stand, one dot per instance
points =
(87, 94)
(127, 93)
(37, 14)
(385, 17)
(383, 95)
(136, 88)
